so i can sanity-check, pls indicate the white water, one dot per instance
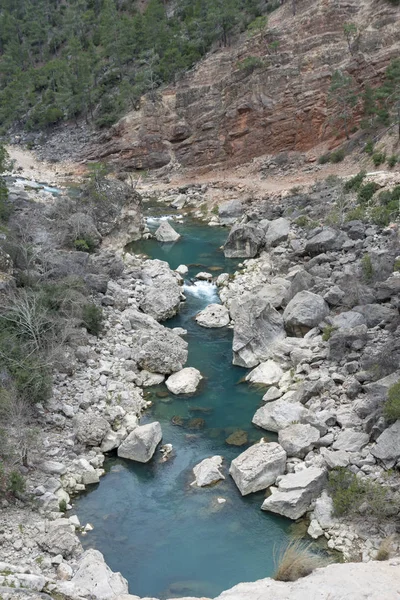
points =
(202, 289)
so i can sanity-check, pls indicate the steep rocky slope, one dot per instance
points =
(221, 113)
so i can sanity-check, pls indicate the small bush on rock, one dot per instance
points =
(92, 317)
(355, 182)
(85, 245)
(327, 332)
(392, 160)
(297, 560)
(324, 158)
(337, 156)
(392, 406)
(352, 495)
(367, 268)
(366, 192)
(378, 158)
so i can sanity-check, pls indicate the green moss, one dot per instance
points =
(327, 332)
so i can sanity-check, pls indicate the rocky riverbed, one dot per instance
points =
(321, 336)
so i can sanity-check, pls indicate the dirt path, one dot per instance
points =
(29, 167)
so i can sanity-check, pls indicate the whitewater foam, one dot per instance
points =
(202, 289)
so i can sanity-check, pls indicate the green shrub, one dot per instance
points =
(16, 483)
(92, 318)
(369, 147)
(349, 493)
(250, 63)
(85, 245)
(325, 158)
(378, 158)
(366, 192)
(62, 506)
(392, 160)
(367, 268)
(396, 266)
(356, 214)
(302, 221)
(380, 216)
(5, 204)
(337, 156)
(391, 409)
(355, 182)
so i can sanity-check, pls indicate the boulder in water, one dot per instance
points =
(141, 444)
(166, 233)
(184, 381)
(207, 471)
(214, 315)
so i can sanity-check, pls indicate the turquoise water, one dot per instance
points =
(166, 538)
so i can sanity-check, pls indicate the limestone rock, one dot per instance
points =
(328, 239)
(257, 325)
(295, 492)
(166, 233)
(60, 539)
(348, 319)
(323, 511)
(184, 381)
(214, 315)
(348, 581)
(244, 241)
(305, 311)
(279, 414)
(141, 443)
(208, 471)
(258, 467)
(94, 579)
(277, 231)
(161, 351)
(387, 447)
(90, 428)
(297, 440)
(267, 373)
(230, 211)
(351, 441)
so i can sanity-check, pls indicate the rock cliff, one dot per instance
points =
(221, 112)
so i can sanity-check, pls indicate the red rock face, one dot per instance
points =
(220, 113)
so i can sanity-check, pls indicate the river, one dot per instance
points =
(167, 538)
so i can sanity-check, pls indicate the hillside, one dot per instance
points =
(269, 92)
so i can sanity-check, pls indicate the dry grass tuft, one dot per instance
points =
(385, 549)
(296, 561)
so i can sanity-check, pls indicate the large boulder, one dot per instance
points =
(162, 294)
(141, 443)
(184, 381)
(348, 319)
(90, 428)
(166, 233)
(258, 467)
(208, 471)
(161, 351)
(60, 539)
(279, 414)
(214, 315)
(277, 231)
(387, 447)
(351, 440)
(346, 340)
(326, 240)
(244, 241)
(257, 325)
(298, 439)
(230, 211)
(375, 314)
(305, 311)
(295, 492)
(277, 292)
(94, 579)
(267, 373)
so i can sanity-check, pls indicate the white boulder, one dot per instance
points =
(298, 439)
(295, 492)
(258, 467)
(184, 381)
(207, 471)
(214, 315)
(166, 233)
(279, 414)
(141, 443)
(267, 373)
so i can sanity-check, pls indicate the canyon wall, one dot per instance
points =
(221, 113)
